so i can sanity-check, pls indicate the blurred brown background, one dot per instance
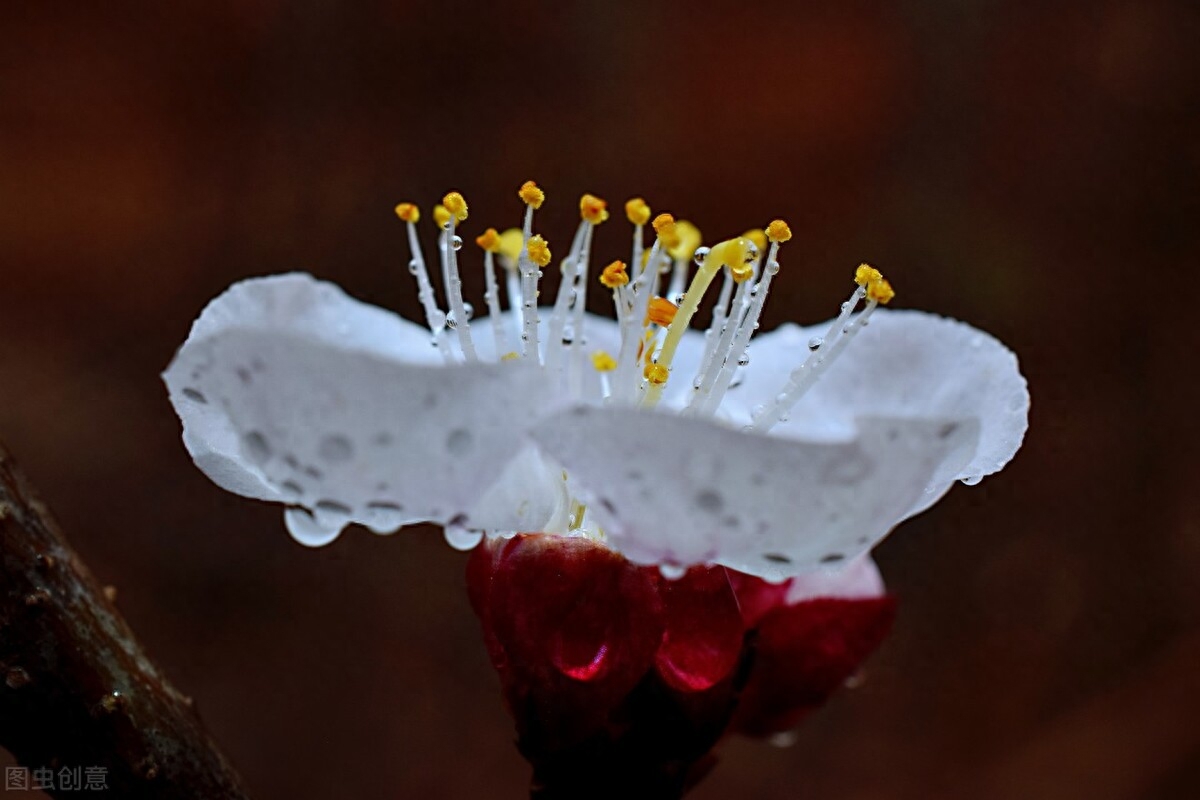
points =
(1030, 168)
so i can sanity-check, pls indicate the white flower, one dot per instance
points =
(796, 451)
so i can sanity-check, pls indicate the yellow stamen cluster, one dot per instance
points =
(656, 373)
(614, 275)
(878, 289)
(866, 274)
(441, 215)
(456, 205)
(539, 251)
(408, 212)
(660, 311)
(603, 362)
(531, 194)
(489, 240)
(593, 209)
(687, 239)
(637, 211)
(778, 231)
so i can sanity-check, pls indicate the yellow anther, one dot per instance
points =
(663, 222)
(511, 242)
(660, 311)
(531, 194)
(866, 274)
(758, 236)
(603, 362)
(778, 231)
(656, 374)
(539, 251)
(880, 291)
(408, 212)
(637, 211)
(593, 209)
(510, 356)
(489, 240)
(440, 215)
(687, 239)
(456, 205)
(614, 275)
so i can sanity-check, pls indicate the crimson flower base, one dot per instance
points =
(622, 681)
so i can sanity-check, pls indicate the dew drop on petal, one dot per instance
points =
(971, 480)
(307, 529)
(672, 571)
(460, 538)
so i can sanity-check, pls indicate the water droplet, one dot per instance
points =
(383, 517)
(468, 310)
(773, 267)
(671, 570)
(446, 225)
(308, 530)
(456, 242)
(743, 360)
(679, 298)
(700, 254)
(751, 252)
(414, 267)
(815, 342)
(451, 322)
(460, 538)
(972, 480)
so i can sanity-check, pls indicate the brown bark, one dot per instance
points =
(76, 688)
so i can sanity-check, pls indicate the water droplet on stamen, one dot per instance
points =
(743, 360)
(414, 267)
(469, 310)
(751, 252)
(815, 342)
(456, 242)
(700, 254)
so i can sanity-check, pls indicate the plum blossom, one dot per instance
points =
(776, 454)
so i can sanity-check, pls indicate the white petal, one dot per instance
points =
(858, 580)
(290, 390)
(903, 364)
(671, 489)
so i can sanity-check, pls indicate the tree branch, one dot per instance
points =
(76, 689)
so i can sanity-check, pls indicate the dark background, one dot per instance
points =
(1030, 168)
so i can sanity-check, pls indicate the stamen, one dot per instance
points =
(716, 327)
(533, 255)
(603, 362)
(731, 253)
(434, 317)
(562, 302)
(639, 292)
(511, 243)
(713, 362)
(456, 206)
(777, 232)
(614, 275)
(490, 242)
(687, 240)
(661, 312)
(656, 374)
(878, 292)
